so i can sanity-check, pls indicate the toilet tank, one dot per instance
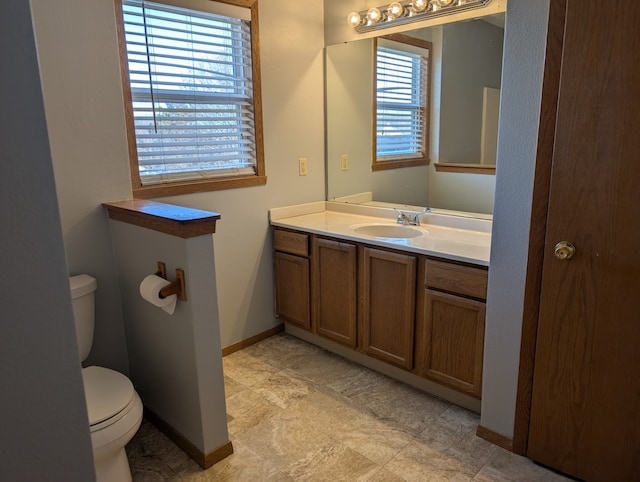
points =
(83, 287)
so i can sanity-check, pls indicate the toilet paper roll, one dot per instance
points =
(150, 292)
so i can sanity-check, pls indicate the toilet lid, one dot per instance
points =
(107, 392)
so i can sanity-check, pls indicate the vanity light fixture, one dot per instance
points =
(420, 5)
(374, 15)
(395, 10)
(400, 13)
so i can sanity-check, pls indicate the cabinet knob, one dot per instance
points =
(564, 250)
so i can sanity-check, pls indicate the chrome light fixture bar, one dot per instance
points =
(400, 13)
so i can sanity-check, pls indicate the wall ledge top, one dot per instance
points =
(170, 219)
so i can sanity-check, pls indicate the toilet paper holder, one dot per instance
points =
(177, 286)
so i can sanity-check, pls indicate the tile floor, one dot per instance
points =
(297, 412)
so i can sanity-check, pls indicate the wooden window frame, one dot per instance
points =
(404, 161)
(187, 187)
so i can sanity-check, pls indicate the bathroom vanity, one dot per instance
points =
(412, 297)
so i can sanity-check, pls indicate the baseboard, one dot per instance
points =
(495, 438)
(217, 455)
(228, 350)
(203, 460)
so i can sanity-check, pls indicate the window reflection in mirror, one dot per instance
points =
(402, 67)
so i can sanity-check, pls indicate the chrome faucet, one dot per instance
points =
(411, 218)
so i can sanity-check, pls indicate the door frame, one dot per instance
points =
(538, 223)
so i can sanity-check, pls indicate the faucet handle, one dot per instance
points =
(401, 216)
(410, 216)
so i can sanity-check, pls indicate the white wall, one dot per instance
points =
(83, 99)
(41, 395)
(525, 42)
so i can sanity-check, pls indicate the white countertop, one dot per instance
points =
(453, 237)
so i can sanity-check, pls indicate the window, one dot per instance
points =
(192, 95)
(402, 85)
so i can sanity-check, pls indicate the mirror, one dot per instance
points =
(465, 83)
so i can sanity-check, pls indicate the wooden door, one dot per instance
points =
(585, 411)
(334, 290)
(387, 289)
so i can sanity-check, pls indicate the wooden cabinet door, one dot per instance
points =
(388, 287)
(452, 341)
(585, 410)
(292, 289)
(334, 290)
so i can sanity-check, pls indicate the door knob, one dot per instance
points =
(564, 250)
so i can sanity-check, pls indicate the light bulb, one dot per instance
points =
(395, 10)
(420, 5)
(354, 19)
(374, 15)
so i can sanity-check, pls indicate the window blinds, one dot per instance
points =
(192, 92)
(401, 100)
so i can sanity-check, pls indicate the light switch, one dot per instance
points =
(302, 166)
(344, 160)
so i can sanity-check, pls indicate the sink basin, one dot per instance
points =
(388, 231)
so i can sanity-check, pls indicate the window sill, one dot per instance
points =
(469, 168)
(396, 164)
(177, 188)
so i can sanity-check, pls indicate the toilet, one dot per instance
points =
(114, 407)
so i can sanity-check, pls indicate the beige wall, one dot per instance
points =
(83, 100)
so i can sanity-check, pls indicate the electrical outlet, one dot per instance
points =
(302, 166)
(344, 159)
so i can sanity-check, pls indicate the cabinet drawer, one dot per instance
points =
(293, 243)
(454, 278)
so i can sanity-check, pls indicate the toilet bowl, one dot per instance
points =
(113, 406)
(115, 414)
